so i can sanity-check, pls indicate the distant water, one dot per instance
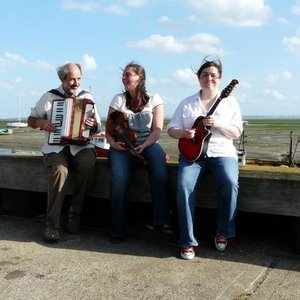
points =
(12, 152)
(271, 117)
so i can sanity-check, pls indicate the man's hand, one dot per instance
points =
(45, 125)
(90, 123)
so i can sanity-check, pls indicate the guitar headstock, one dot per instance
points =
(228, 89)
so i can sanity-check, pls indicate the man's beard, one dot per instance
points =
(73, 91)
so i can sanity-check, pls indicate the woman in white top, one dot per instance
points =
(225, 124)
(145, 115)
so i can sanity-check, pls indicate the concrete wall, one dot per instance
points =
(269, 190)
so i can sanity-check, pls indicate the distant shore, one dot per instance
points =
(265, 138)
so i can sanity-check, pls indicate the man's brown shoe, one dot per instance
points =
(51, 234)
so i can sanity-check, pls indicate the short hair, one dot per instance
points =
(210, 61)
(63, 71)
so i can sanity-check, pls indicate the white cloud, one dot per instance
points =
(273, 78)
(181, 77)
(201, 42)
(296, 7)
(159, 43)
(42, 65)
(185, 76)
(192, 18)
(18, 79)
(116, 10)
(252, 13)
(245, 84)
(80, 5)
(159, 82)
(4, 64)
(274, 94)
(13, 58)
(204, 43)
(5, 85)
(171, 24)
(242, 98)
(89, 62)
(164, 19)
(11, 85)
(135, 2)
(119, 9)
(283, 21)
(293, 43)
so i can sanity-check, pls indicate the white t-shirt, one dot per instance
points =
(140, 122)
(227, 111)
(43, 109)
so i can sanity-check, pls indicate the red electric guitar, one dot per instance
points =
(192, 149)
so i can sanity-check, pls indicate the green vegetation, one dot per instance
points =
(265, 139)
(271, 138)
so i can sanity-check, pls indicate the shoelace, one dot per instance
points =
(221, 240)
(188, 250)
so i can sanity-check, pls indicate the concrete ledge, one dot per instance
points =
(268, 190)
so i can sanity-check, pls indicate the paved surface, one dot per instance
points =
(146, 266)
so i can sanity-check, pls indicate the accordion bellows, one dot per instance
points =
(69, 116)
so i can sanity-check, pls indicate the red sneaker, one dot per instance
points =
(187, 252)
(220, 242)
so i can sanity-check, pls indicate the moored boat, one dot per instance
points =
(18, 124)
(101, 144)
(6, 131)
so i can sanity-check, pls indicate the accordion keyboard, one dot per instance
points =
(69, 116)
(57, 120)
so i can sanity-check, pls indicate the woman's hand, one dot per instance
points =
(119, 146)
(177, 133)
(139, 149)
(230, 131)
(188, 133)
(211, 121)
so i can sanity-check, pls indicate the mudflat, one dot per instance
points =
(270, 139)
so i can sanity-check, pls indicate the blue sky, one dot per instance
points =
(258, 42)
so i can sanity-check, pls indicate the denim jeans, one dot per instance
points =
(122, 165)
(225, 170)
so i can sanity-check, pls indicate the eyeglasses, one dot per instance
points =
(212, 75)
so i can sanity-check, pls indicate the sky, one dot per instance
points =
(258, 42)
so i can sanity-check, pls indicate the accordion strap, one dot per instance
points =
(58, 93)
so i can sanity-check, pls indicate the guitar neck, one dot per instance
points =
(225, 93)
(213, 108)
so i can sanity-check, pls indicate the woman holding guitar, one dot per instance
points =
(206, 124)
(134, 123)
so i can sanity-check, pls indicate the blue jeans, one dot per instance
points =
(122, 165)
(226, 172)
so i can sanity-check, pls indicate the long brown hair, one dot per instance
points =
(142, 98)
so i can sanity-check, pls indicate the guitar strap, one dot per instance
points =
(58, 93)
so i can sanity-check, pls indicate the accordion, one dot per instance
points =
(69, 116)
